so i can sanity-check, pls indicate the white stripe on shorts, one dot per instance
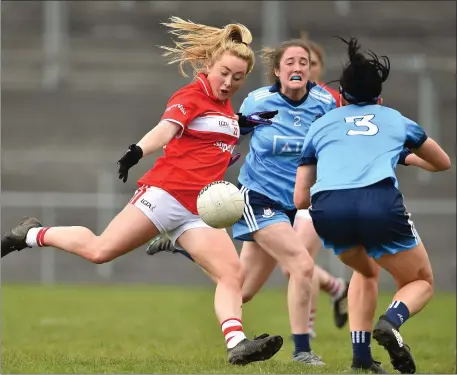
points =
(249, 212)
(411, 223)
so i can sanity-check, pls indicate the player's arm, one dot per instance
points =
(306, 177)
(181, 110)
(407, 157)
(306, 174)
(425, 148)
(158, 137)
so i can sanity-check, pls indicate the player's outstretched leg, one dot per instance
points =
(15, 239)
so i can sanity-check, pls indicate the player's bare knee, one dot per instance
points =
(247, 296)
(101, 254)
(427, 275)
(100, 257)
(233, 274)
(303, 265)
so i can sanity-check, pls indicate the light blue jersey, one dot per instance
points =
(356, 146)
(274, 150)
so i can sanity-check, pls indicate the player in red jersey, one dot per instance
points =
(336, 288)
(199, 130)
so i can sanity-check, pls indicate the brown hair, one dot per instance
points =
(272, 56)
(315, 48)
(200, 45)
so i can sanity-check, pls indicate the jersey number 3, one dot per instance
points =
(363, 121)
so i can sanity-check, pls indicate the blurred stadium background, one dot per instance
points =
(81, 80)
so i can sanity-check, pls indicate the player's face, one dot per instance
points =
(227, 75)
(293, 72)
(315, 68)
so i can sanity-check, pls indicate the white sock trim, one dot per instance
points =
(31, 239)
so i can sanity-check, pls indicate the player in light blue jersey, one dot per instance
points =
(358, 210)
(267, 181)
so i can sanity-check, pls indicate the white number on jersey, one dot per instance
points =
(362, 121)
(297, 121)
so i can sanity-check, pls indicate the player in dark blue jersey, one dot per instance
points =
(347, 173)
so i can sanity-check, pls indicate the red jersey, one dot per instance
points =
(334, 93)
(200, 152)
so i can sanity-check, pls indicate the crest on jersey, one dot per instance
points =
(267, 213)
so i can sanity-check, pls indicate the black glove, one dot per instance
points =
(130, 158)
(254, 119)
(402, 160)
(234, 159)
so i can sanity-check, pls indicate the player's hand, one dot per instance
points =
(130, 158)
(403, 155)
(234, 159)
(257, 118)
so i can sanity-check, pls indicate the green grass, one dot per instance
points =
(143, 329)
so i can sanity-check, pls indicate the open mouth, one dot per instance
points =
(296, 79)
(225, 92)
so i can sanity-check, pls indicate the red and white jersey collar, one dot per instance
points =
(202, 81)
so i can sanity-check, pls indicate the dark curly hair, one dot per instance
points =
(362, 77)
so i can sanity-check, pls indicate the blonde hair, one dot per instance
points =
(199, 45)
(271, 57)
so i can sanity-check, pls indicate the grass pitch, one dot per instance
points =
(146, 329)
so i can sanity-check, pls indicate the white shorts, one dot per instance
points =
(303, 214)
(166, 213)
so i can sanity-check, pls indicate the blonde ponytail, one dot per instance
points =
(199, 45)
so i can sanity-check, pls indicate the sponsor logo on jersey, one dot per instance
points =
(224, 146)
(291, 112)
(180, 107)
(283, 145)
(223, 124)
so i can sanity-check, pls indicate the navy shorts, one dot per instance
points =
(259, 212)
(373, 216)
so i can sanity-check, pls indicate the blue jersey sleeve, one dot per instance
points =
(405, 152)
(308, 152)
(415, 135)
(331, 106)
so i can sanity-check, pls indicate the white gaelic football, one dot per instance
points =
(220, 204)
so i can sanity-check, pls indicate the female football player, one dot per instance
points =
(197, 153)
(267, 179)
(358, 210)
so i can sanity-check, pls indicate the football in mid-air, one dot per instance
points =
(220, 204)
